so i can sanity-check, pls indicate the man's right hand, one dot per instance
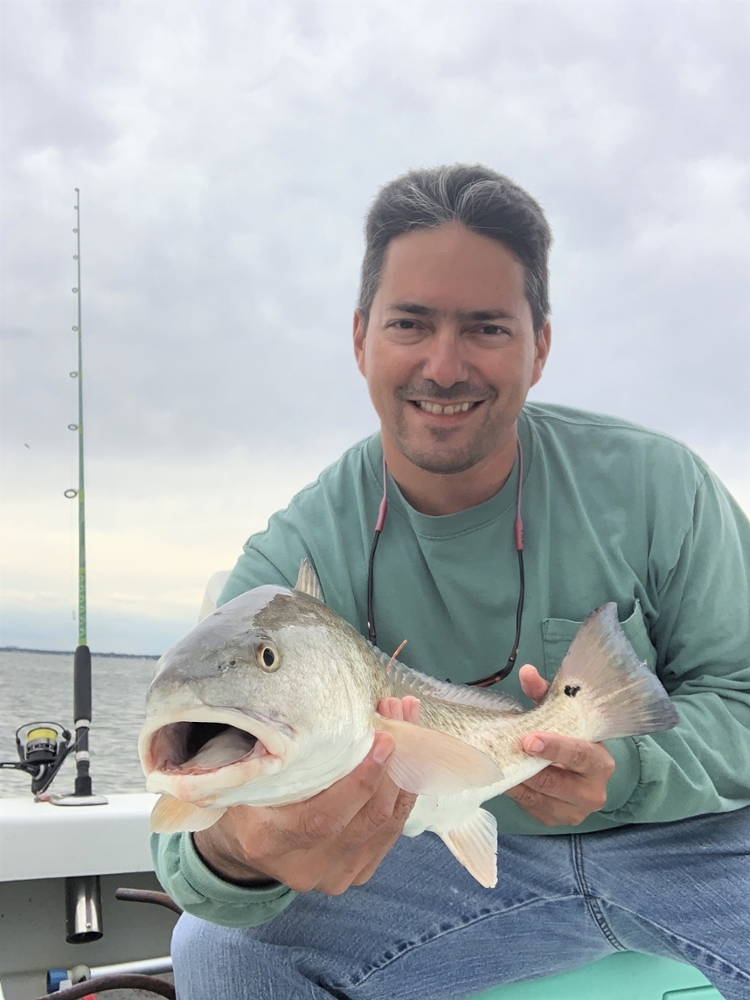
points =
(332, 841)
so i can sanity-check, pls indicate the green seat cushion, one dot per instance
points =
(624, 976)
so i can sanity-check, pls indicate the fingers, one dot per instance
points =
(391, 708)
(353, 857)
(374, 815)
(404, 709)
(379, 846)
(328, 813)
(411, 709)
(548, 810)
(579, 756)
(572, 787)
(533, 684)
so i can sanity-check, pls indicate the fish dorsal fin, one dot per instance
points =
(170, 815)
(420, 685)
(602, 669)
(214, 588)
(475, 845)
(308, 582)
(428, 762)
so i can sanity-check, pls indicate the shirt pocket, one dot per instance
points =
(558, 633)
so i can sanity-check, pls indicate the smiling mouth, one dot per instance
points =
(448, 410)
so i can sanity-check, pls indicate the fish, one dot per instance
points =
(272, 698)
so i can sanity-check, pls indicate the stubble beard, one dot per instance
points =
(442, 459)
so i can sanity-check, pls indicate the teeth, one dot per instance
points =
(447, 410)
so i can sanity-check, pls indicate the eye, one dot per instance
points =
(492, 330)
(267, 657)
(405, 330)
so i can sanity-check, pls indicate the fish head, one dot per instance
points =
(252, 705)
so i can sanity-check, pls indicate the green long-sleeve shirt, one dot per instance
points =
(612, 512)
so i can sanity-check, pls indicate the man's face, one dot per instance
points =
(449, 351)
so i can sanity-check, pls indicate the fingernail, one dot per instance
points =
(382, 750)
(534, 745)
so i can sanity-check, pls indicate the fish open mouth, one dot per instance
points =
(200, 747)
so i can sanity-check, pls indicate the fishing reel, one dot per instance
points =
(42, 749)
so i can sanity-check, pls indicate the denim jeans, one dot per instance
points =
(423, 929)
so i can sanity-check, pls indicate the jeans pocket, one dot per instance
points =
(558, 633)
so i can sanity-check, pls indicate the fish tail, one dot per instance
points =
(603, 670)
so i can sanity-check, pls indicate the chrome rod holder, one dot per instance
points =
(83, 909)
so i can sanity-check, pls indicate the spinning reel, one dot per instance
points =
(42, 749)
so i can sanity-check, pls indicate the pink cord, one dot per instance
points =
(384, 502)
(519, 521)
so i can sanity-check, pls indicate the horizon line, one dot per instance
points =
(70, 652)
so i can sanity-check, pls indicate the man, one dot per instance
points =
(642, 844)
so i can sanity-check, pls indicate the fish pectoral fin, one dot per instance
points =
(475, 845)
(431, 763)
(170, 815)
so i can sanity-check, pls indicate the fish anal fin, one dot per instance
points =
(474, 844)
(431, 763)
(308, 582)
(170, 815)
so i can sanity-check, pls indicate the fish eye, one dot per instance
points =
(267, 657)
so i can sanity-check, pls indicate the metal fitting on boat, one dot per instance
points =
(83, 909)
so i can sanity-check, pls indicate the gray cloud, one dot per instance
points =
(226, 154)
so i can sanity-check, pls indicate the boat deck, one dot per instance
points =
(40, 846)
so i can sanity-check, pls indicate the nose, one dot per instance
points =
(445, 363)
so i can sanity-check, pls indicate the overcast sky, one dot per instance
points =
(226, 154)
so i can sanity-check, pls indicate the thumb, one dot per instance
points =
(533, 684)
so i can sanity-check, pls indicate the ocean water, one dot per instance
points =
(38, 687)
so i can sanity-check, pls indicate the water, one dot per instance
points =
(39, 687)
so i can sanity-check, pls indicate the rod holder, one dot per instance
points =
(83, 909)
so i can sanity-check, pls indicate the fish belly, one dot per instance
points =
(468, 831)
(443, 813)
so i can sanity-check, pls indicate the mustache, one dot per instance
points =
(427, 389)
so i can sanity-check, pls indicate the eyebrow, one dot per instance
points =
(478, 315)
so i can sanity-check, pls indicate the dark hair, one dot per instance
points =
(482, 200)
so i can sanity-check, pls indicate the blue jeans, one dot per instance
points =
(423, 928)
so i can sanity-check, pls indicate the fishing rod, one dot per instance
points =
(83, 792)
(44, 746)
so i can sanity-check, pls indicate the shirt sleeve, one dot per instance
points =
(702, 638)
(199, 892)
(272, 556)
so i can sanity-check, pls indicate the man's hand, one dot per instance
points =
(332, 841)
(575, 783)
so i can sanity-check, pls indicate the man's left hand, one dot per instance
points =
(575, 783)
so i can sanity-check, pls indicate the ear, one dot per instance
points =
(360, 329)
(541, 346)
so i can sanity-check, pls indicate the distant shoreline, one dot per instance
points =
(69, 652)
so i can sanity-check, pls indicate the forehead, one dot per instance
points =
(454, 266)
